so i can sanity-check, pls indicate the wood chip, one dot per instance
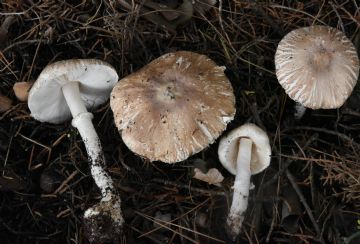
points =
(213, 176)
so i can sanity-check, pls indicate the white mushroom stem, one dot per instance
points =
(82, 120)
(92, 143)
(241, 188)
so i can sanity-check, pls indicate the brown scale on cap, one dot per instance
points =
(173, 107)
(317, 66)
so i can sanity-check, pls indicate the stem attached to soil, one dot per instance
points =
(110, 202)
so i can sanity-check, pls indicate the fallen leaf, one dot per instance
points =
(167, 12)
(170, 14)
(290, 210)
(5, 103)
(4, 28)
(213, 176)
(12, 182)
(202, 6)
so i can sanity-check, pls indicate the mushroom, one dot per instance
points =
(317, 66)
(67, 89)
(245, 151)
(173, 107)
(21, 90)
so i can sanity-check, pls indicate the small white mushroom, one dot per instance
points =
(245, 151)
(66, 89)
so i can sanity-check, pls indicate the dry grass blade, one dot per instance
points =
(165, 223)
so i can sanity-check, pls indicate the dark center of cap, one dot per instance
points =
(169, 87)
(321, 59)
(169, 92)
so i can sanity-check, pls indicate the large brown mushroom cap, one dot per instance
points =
(317, 66)
(173, 107)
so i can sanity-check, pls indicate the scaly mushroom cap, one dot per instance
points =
(317, 66)
(173, 107)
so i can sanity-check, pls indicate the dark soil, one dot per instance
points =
(309, 194)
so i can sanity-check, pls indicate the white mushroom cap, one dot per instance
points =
(46, 100)
(260, 154)
(317, 66)
(173, 107)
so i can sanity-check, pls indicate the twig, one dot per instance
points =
(63, 187)
(153, 239)
(288, 163)
(303, 201)
(181, 216)
(349, 239)
(297, 10)
(272, 225)
(163, 224)
(190, 188)
(166, 227)
(330, 132)
(275, 26)
(338, 15)
(350, 112)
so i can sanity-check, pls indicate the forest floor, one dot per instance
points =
(309, 194)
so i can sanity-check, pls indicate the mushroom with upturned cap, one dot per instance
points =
(245, 151)
(317, 66)
(173, 107)
(67, 89)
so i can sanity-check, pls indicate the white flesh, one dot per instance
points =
(241, 188)
(82, 121)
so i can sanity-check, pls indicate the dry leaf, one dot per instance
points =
(170, 14)
(290, 210)
(213, 176)
(5, 103)
(166, 11)
(202, 6)
(4, 28)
